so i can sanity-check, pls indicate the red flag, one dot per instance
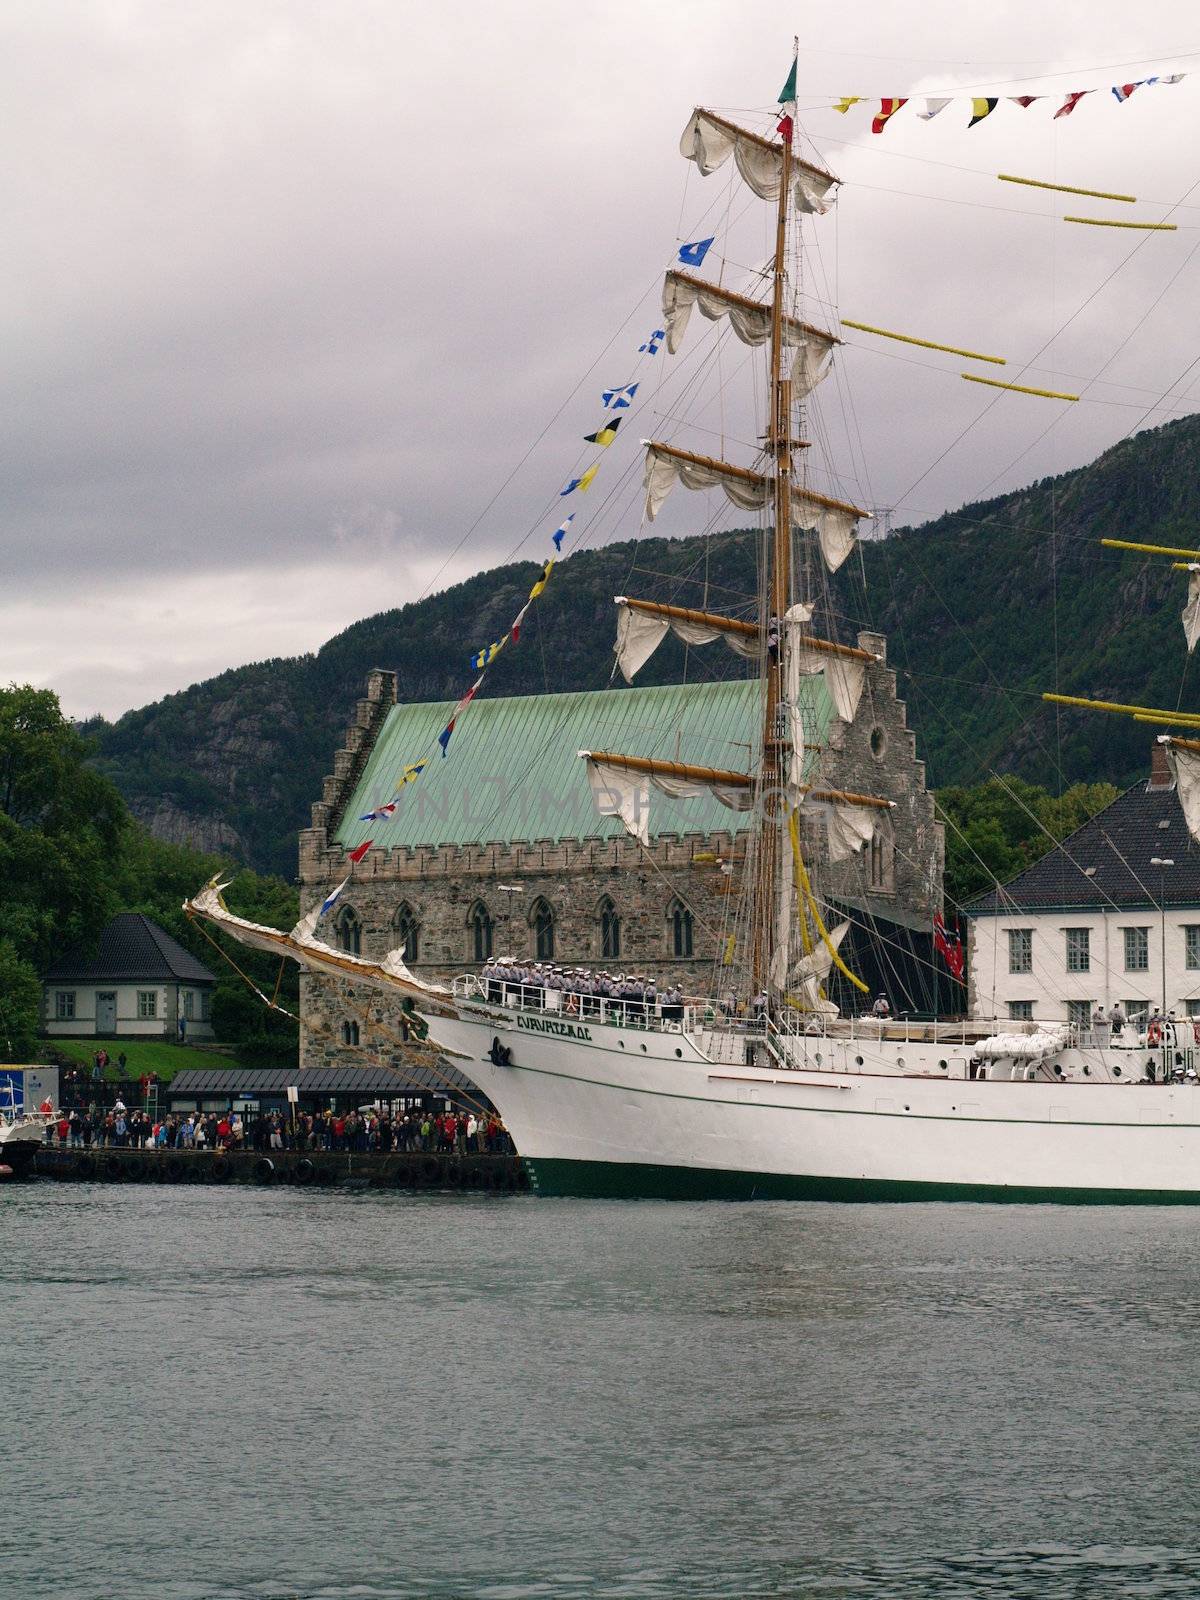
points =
(1024, 100)
(1070, 103)
(785, 129)
(951, 954)
(357, 855)
(887, 110)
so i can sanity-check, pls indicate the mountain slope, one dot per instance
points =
(984, 608)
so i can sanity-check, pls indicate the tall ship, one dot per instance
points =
(615, 1090)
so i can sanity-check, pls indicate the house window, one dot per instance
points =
(1079, 1013)
(1137, 949)
(1137, 1008)
(681, 929)
(348, 931)
(408, 933)
(189, 1004)
(1193, 1008)
(1020, 949)
(205, 1005)
(610, 931)
(542, 918)
(1191, 946)
(1020, 1010)
(147, 1004)
(350, 1033)
(64, 1005)
(483, 931)
(1079, 949)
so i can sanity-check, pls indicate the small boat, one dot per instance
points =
(22, 1134)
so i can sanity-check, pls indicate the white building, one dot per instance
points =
(141, 983)
(1111, 914)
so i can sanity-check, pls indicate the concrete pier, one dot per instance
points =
(402, 1169)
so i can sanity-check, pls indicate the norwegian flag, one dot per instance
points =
(951, 952)
(1122, 91)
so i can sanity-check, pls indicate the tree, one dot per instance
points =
(20, 1005)
(998, 828)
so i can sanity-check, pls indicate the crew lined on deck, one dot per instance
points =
(576, 992)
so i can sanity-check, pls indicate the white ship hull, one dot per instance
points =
(600, 1109)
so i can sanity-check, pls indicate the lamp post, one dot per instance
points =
(1162, 863)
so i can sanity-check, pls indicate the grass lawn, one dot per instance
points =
(141, 1055)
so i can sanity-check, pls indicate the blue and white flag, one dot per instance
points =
(559, 534)
(692, 255)
(333, 897)
(650, 348)
(615, 399)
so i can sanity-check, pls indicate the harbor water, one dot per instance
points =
(269, 1393)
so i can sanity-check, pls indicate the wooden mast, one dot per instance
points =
(780, 443)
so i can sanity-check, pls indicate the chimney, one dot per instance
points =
(1160, 772)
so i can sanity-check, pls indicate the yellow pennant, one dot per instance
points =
(545, 577)
(847, 101)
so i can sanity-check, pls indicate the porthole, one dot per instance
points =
(621, 1042)
(679, 1053)
(858, 1061)
(945, 1065)
(878, 742)
(1058, 1069)
(1087, 1072)
(643, 1049)
(899, 1061)
(817, 1058)
(906, 1108)
(1116, 1072)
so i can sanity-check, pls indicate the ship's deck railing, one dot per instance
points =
(714, 1017)
(572, 1007)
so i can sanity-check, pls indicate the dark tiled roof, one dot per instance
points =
(132, 949)
(1119, 844)
(404, 1078)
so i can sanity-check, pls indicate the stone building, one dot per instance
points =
(497, 849)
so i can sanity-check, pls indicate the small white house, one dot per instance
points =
(140, 983)
(1110, 915)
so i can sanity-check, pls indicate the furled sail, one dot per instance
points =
(642, 625)
(1191, 611)
(665, 464)
(621, 786)
(750, 320)
(303, 947)
(1183, 758)
(812, 970)
(834, 521)
(850, 819)
(708, 140)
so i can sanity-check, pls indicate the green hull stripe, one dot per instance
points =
(619, 1180)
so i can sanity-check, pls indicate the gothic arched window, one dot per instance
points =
(350, 1033)
(883, 857)
(541, 917)
(681, 928)
(408, 932)
(610, 931)
(482, 929)
(349, 931)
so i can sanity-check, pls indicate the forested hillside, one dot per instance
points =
(984, 608)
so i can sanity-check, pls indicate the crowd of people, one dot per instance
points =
(578, 993)
(372, 1129)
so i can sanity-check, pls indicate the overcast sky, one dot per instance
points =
(296, 297)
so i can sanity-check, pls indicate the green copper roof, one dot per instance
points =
(513, 772)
